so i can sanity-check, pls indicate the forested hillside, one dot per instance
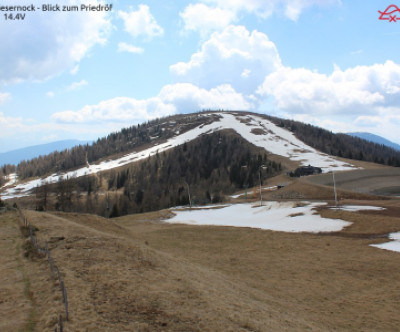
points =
(159, 130)
(340, 145)
(209, 167)
(123, 141)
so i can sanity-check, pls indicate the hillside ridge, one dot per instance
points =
(293, 141)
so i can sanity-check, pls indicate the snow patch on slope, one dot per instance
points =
(282, 142)
(11, 179)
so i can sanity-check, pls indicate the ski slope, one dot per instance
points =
(253, 128)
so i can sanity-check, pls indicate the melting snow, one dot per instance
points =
(274, 139)
(276, 216)
(250, 191)
(392, 245)
(355, 208)
(11, 178)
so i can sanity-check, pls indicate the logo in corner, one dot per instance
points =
(390, 14)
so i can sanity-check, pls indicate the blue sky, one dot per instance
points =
(83, 75)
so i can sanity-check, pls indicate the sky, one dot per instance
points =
(84, 74)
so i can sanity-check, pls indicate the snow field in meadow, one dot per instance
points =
(393, 245)
(275, 216)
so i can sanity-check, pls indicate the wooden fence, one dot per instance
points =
(55, 271)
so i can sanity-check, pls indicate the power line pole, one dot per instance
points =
(259, 177)
(334, 188)
(190, 200)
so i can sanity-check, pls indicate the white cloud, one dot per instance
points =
(187, 97)
(50, 94)
(124, 47)
(383, 124)
(46, 44)
(362, 89)
(245, 73)
(141, 23)
(333, 124)
(358, 52)
(77, 85)
(74, 70)
(4, 96)
(17, 132)
(174, 98)
(234, 56)
(9, 122)
(202, 18)
(50, 138)
(368, 121)
(290, 8)
(119, 109)
(111, 115)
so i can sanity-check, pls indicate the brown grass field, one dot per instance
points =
(136, 273)
(381, 181)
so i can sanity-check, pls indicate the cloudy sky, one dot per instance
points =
(82, 75)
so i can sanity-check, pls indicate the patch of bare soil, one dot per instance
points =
(258, 131)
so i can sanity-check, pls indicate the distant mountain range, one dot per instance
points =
(16, 156)
(376, 139)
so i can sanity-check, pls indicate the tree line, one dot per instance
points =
(141, 136)
(116, 143)
(340, 145)
(208, 168)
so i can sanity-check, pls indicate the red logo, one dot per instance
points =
(390, 14)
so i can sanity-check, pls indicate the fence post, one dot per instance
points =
(60, 323)
(58, 275)
(34, 242)
(66, 304)
(51, 261)
(62, 290)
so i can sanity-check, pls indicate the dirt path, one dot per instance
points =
(15, 292)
